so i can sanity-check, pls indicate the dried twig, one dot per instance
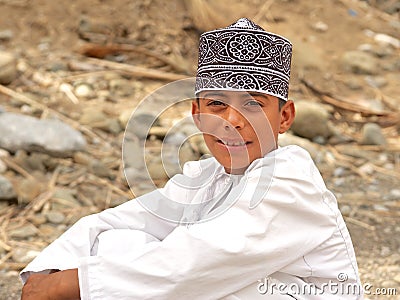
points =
(100, 181)
(13, 165)
(359, 223)
(101, 51)
(138, 71)
(390, 117)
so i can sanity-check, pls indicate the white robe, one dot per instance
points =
(268, 234)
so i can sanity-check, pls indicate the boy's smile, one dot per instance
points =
(239, 127)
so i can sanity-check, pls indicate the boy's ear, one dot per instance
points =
(196, 113)
(288, 113)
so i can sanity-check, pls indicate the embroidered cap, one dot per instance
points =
(244, 57)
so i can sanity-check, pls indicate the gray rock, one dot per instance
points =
(6, 189)
(8, 67)
(372, 135)
(55, 217)
(312, 120)
(91, 116)
(98, 168)
(64, 198)
(122, 87)
(49, 136)
(24, 232)
(24, 255)
(141, 123)
(156, 169)
(132, 155)
(360, 62)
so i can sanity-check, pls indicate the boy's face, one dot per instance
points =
(239, 127)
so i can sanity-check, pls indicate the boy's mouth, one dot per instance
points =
(233, 143)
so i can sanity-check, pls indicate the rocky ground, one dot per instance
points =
(71, 74)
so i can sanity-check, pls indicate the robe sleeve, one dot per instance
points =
(81, 240)
(220, 256)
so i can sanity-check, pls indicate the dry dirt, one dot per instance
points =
(47, 33)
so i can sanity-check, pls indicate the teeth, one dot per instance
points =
(234, 143)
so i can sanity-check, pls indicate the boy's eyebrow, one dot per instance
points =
(213, 93)
(256, 94)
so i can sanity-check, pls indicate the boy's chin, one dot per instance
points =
(236, 169)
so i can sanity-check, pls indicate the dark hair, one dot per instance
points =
(281, 103)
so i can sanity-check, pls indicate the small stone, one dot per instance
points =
(4, 153)
(55, 217)
(372, 135)
(156, 169)
(132, 155)
(38, 219)
(27, 190)
(82, 158)
(121, 87)
(124, 118)
(366, 168)
(84, 90)
(360, 62)
(24, 231)
(109, 125)
(385, 251)
(8, 67)
(91, 116)
(141, 123)
(312, 120)
(354, 83)
(320, 26)
(100, 169)
(376, 81)
(7, 191)
(23, 255)
(345, 210)
(64, 198)
(6, 35)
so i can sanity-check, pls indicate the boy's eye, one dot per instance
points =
(215, 103)
(253, 103)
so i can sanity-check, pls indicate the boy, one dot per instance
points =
(258, 220)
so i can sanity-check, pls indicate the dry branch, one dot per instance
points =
(387, 118)
(101, 51)
(138, 71)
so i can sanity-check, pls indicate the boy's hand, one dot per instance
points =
(62, 285)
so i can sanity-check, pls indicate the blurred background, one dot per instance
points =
(71, 73)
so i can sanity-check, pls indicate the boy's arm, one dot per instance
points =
(81, 239)
(62, 285)
(213, 259)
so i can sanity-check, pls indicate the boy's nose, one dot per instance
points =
(234, 118)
